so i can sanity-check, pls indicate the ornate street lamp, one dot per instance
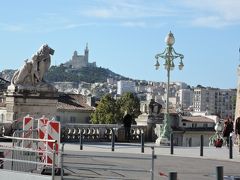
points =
(168, 55)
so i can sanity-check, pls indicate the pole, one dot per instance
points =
(113, 139)
(173, 176)
(142, 142)
(81, 140)
(168, 55)
(219, 173)
(167, 128)
(62, 161)
(152, 169)
(201, 145)
(230, 147)
(171, 141)
(168, 83)
(53, 160)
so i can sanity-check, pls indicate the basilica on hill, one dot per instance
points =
(79, 61)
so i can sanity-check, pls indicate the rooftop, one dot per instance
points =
(73, 102)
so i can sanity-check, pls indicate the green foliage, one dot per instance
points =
(86, 74)
(110, 111)
(106, 112)
(129, 102)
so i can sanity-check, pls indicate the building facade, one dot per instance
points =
(73, 108)
(125, 86)
(215, 101)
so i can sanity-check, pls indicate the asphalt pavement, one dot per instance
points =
(127, 161)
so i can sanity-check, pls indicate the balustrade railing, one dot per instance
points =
(99, 132)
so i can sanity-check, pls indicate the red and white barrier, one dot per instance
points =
(42, 132)
(47, 130)
(53, 133)
(27, 131)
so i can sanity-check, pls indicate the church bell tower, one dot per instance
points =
(86, 54)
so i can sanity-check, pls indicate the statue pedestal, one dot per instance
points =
(162, 141)
(150, 121)
(20, 103)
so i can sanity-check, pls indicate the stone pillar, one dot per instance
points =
(237, 110)
(35, 103)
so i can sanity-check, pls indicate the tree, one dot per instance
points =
(110, 111)
(129, 102)
(106, 111)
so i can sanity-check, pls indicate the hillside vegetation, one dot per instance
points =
(86, 74)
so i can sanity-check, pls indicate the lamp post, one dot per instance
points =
(169, 55)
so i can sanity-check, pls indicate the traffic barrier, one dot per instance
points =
(53, 133)
(42, 129)
(27, 131)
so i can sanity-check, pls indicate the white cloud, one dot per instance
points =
(12, 27)
(209, 21)
(73, 26)
(204, 13)
(134, 13)
(214, 13)
(130, 9)
(134, 24)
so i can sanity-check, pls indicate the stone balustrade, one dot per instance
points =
(100, 132)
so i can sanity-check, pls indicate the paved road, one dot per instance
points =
(186, 161)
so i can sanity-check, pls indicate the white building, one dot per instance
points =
(185, 98)
(194, 127)
(125, 86)
(215, 101)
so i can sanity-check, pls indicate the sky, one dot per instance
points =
(125, 35)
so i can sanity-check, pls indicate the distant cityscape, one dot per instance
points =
(182, 97)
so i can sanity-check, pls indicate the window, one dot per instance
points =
(194, 125)
(184, 124)
(205, 125)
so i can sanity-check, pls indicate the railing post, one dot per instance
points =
(230, 147)
(173, 176)
(219, 172)
(201, 145)
(142, 142)
(53, 160)
(113, 139)
(171, 142)
(152, 168)
(62, 161)
(81, 140)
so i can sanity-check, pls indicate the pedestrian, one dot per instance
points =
(127, 122)
(237, 131)
(227, 130)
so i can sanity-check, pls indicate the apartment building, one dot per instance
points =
(125, 86)
(216, 101)
(185, 98)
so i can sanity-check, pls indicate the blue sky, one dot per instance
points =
(125, 35)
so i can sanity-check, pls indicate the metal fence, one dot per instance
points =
(22, 154)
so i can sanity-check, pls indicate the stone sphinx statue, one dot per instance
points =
(32, 72)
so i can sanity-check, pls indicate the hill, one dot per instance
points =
(86, 74)
(64, 74)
